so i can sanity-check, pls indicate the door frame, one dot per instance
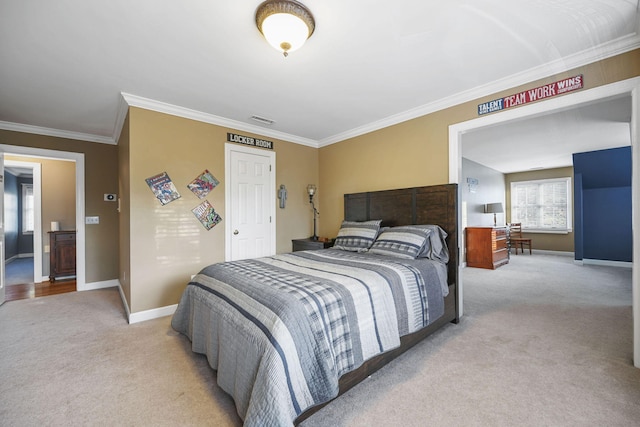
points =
(78, 158)
(228, 148)
(621, 88)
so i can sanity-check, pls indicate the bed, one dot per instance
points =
(288, 333)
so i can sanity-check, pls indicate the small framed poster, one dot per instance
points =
(163, 188)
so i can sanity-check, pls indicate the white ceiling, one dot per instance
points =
(67, 65)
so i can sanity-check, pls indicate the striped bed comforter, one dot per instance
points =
(281, 330)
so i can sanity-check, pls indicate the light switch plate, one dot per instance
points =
(92, 220)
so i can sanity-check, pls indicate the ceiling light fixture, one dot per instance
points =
(286, 24)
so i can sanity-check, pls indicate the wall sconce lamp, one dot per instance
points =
(285, 24)
(311, 189)
(493, 208)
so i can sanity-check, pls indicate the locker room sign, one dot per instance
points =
(247, 140)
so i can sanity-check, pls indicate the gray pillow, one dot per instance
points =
(357, 236)
(435, 247)
(400, 242)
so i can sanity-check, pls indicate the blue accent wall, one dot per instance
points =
(602, 196)
(10, 215)
(607, 224)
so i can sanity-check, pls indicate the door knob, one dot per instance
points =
(235, 231)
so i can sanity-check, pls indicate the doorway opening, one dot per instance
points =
(22, 221)
(40, 240)
(625, 87)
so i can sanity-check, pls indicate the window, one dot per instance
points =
(27, 208)
(542, 205)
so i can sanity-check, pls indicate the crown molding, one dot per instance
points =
(174, 110)
(598, 53)
(39, 130)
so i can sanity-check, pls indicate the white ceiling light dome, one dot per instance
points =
(285, 24)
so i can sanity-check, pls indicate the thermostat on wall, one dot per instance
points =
(110, 197)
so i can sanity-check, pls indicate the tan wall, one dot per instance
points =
(410, 154)
(544, 241)
(167, 243)
(297, 167)
(415, 152)
(101, 252)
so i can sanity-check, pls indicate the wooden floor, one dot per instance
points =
(35, 290)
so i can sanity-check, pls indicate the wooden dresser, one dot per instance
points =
(62, 254)
(486, 247)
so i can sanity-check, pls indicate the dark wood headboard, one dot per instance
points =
(436, 204)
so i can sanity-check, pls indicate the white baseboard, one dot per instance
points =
(141, 316)
(154, 313)
(46, 279)
(560, 253)
(18, 256)
(98, 285)
(603, 262)
(608, 263)
(124, 301)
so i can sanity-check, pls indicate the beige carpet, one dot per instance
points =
(544, 342)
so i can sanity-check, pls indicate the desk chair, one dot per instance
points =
(516, 239)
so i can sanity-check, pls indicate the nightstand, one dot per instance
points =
(310, 244)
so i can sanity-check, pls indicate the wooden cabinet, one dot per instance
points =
(486, 247)
(62, 254)
(309, 244)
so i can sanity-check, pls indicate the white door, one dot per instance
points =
(250, 202)
(2, 290)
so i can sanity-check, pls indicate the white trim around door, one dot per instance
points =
(78, 158)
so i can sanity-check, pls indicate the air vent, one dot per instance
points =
(263, 120)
